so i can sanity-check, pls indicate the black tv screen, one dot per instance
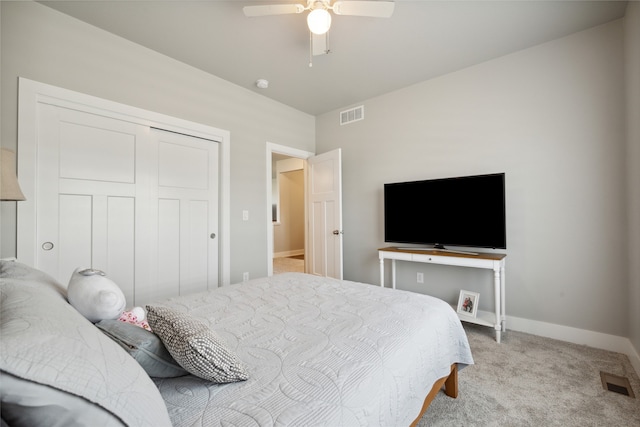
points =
(462, 211)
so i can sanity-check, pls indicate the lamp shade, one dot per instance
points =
(9, 188)
(319, 21)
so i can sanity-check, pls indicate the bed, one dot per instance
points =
(317, 351)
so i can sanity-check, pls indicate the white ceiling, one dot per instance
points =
(370, 56)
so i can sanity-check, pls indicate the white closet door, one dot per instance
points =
(87, 182)
(105, 190)
(138, 203)
(185, 203)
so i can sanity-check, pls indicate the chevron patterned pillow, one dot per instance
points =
(194, 346)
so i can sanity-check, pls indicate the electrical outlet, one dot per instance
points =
(245, 276)
(420, 278)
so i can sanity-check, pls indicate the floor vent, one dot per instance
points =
(352, 115)
(616, 384)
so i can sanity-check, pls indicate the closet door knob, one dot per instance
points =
(47, 246)
(212, 235)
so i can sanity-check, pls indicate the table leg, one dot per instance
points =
(382, 272)
(393, 273)
(503, 304)
(497, 286)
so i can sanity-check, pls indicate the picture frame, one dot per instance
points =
(468, 303)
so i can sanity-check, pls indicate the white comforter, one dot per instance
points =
(320, 352)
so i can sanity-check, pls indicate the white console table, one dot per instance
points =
(495, 262)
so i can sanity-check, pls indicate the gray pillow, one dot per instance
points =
(195, 347)
(48, 343)
(144, 346)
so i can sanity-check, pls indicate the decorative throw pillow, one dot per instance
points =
(195, 347)
(144, 346)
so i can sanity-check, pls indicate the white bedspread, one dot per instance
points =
(320, 352)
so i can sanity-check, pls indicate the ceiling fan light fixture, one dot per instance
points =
(319, 21)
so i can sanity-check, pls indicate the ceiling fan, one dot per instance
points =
(319, 18)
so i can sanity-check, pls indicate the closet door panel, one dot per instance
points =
(187, 187)
(183, 166)
(195, 277)
(48, 194)
(97, 152)
(121, 244)
(168, 250)
(75, 238)
(87, 187)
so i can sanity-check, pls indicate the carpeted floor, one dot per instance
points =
(288, 264)
(533, 381)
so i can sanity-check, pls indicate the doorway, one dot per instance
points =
(288, 219)
(286, 194)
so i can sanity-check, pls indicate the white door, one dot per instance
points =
(138, 203)
(86, 190)
(184, 213)
(325, 214)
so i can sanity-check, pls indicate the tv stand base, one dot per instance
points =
(495, 262)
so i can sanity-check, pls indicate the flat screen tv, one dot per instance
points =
(464, 211)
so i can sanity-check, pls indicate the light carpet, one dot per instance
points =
(288, 264)
(534, 381)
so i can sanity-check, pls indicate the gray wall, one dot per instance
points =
(553, 118)
(44, 45)
(632, 56)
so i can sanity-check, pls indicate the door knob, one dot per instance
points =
(47, 246)
(212, 235)
(337, 232)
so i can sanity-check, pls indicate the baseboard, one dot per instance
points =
(577, 336)
(634, 357)
(286, 254)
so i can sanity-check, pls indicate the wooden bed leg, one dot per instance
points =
(451, 384)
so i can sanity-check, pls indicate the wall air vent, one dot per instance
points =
(352, 115)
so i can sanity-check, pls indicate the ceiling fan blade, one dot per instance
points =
(374, 9)
(273, 9)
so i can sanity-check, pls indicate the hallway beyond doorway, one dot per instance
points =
(288, 264)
